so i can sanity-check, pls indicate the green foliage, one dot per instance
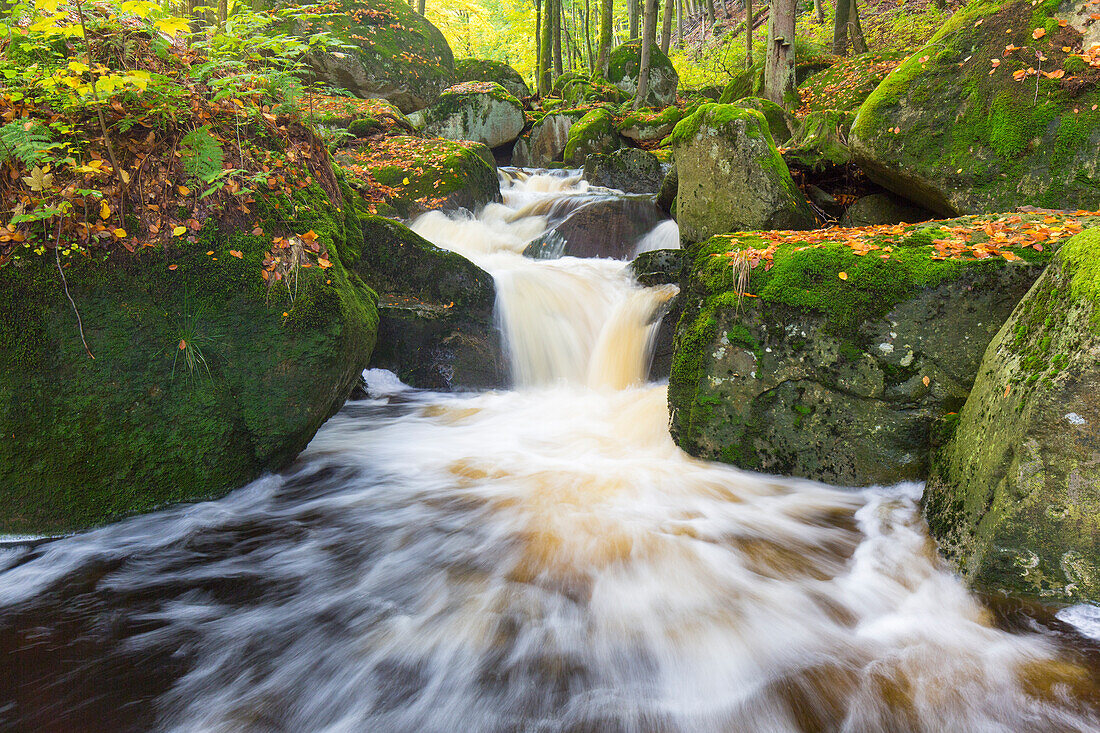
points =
(28, 142)
(203, 156)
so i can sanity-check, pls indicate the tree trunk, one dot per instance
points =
(632, 9)
(666, 26)
(607, 8)
(588, 36)
(840, 27)
(223, 12)
(855, 30)
(779, 85)
(556, 4)
(649, 40)
(819, 12)
(709, 7)
(538, 44)
(422, 7)
(546, 48)
(749, 22)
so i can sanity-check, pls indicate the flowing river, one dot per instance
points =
(538, 559)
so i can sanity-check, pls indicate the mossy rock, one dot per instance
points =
(585, 91)
(398, 55)
(424, 174)
(630, 170)
(436, 328)
(882, 208)
(545, 142)
(649, 124)
(495, 71)
(837, 363)
(1014, 495)
(943, 131)
(481, 111)
(593, 133)
(781, 123)
(731, 177)
(847, 81)
(743, 83)
(623, 67)
(138, 427)
(821, 141)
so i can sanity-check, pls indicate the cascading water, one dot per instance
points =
(541, 559)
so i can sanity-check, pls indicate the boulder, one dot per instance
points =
(586, 91)
(820, 141)
(781, 123)
(622, 71)
(1014, 495)
(545, 142)
(666, 196)
(495, 71)
(966, 124)
(649, 124)
(882, 208)
(630, 170)
(840, 355)
(847, 81)
(425, 174)
(593, 133)
(481, 111)
(731, 177)
(397, 54)
(607, 227)
(436, 328)
(205, 374)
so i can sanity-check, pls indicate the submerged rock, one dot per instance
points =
(731, 177)
(966, 125)
(838, 360)
(607, 227)
(483, 112)
(622, 71)
(436, 328)
(397, 54)
(1014, 497)
(495, 71)
(630, 170)
(204, 375)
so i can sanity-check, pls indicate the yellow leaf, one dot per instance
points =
(843, 275)
(926, 381)
(179, 231)
(171, 26)
(405, 182)
(120, 233)
(184, 191)
(77, 67)
(104, 210)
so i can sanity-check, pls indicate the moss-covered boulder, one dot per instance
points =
(204, 373)
(975, 122)
(731, 177)
(593, 133)
(832, 357)
(820, 141)
(743, 83)
(622, 70)
(586, 91)
(630, 170)
(781, 123)
(420, 174)
(397, 54)
(545, 142)
(1014, 495)
(847, 81)
(495, 71)
(649, 124)
(482, 111)
(436, 328)
(882, 208)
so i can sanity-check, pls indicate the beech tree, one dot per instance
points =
(779, 81)
(666, 26)
(846, 28)
(649, 40)
(607, 12)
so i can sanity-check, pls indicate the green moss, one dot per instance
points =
(1082, 255)
(714, 116)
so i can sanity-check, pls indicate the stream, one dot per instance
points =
(542, 558)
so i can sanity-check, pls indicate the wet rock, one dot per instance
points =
(944, 132)
(630, 170)
(838, 368)
(483, 112)
(666, 197)
(396, 53)
(609, 227)
(1014, 496)
(731, 177)
(436, 327)
(658, 267)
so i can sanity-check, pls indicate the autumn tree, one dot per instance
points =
(546, 47)
(779, 79)
(846, 28)
(666, 26)
(649, 40)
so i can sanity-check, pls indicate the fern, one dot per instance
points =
(27, 142)
(203, 156)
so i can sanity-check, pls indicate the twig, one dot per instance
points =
(65, 283)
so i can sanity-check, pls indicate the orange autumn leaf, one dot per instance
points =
(1038, 33)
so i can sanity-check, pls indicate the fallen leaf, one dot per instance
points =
(178, 231)
(183, 344)
(184, 191)
(842, 275)
(1038, 33)
(236, 253)
(172, 267)
(926, 381)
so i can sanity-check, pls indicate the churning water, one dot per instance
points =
(541, 559)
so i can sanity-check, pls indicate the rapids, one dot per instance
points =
(538, 559)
